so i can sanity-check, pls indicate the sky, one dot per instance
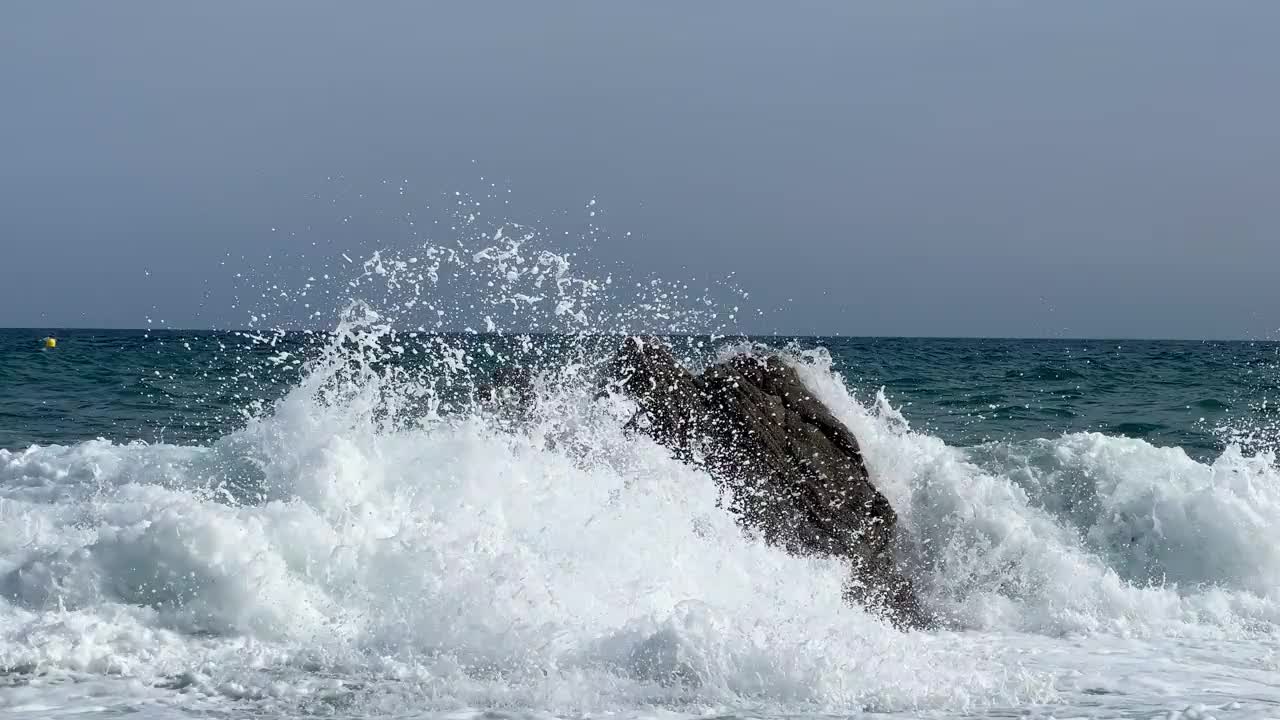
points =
(1082, 169)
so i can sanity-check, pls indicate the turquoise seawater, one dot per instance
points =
(195, 387)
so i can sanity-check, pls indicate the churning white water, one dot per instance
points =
(354, 551)
(569, 568)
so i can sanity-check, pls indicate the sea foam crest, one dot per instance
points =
(380, 537)
(1081, 533)
(477, 566)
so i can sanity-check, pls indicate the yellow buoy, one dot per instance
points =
(50, 342)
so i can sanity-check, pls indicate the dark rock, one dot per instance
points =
(795, 471)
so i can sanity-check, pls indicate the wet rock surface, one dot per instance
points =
(795, 472)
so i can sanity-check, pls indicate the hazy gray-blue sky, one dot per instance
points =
(885, 168)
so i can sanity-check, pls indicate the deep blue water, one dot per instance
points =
(193, 387)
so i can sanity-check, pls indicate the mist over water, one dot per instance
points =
(354, 530)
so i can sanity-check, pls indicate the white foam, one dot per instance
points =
(478, 569)
(1081, 534)
(482, 566)
(352, 552)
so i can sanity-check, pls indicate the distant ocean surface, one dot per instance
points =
(287, 524)
(181, 387)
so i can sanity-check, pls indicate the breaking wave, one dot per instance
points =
(320, 555)
(376, 541)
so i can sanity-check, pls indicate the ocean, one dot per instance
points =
(286, 524)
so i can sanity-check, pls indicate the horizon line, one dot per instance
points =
(1080, 338)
